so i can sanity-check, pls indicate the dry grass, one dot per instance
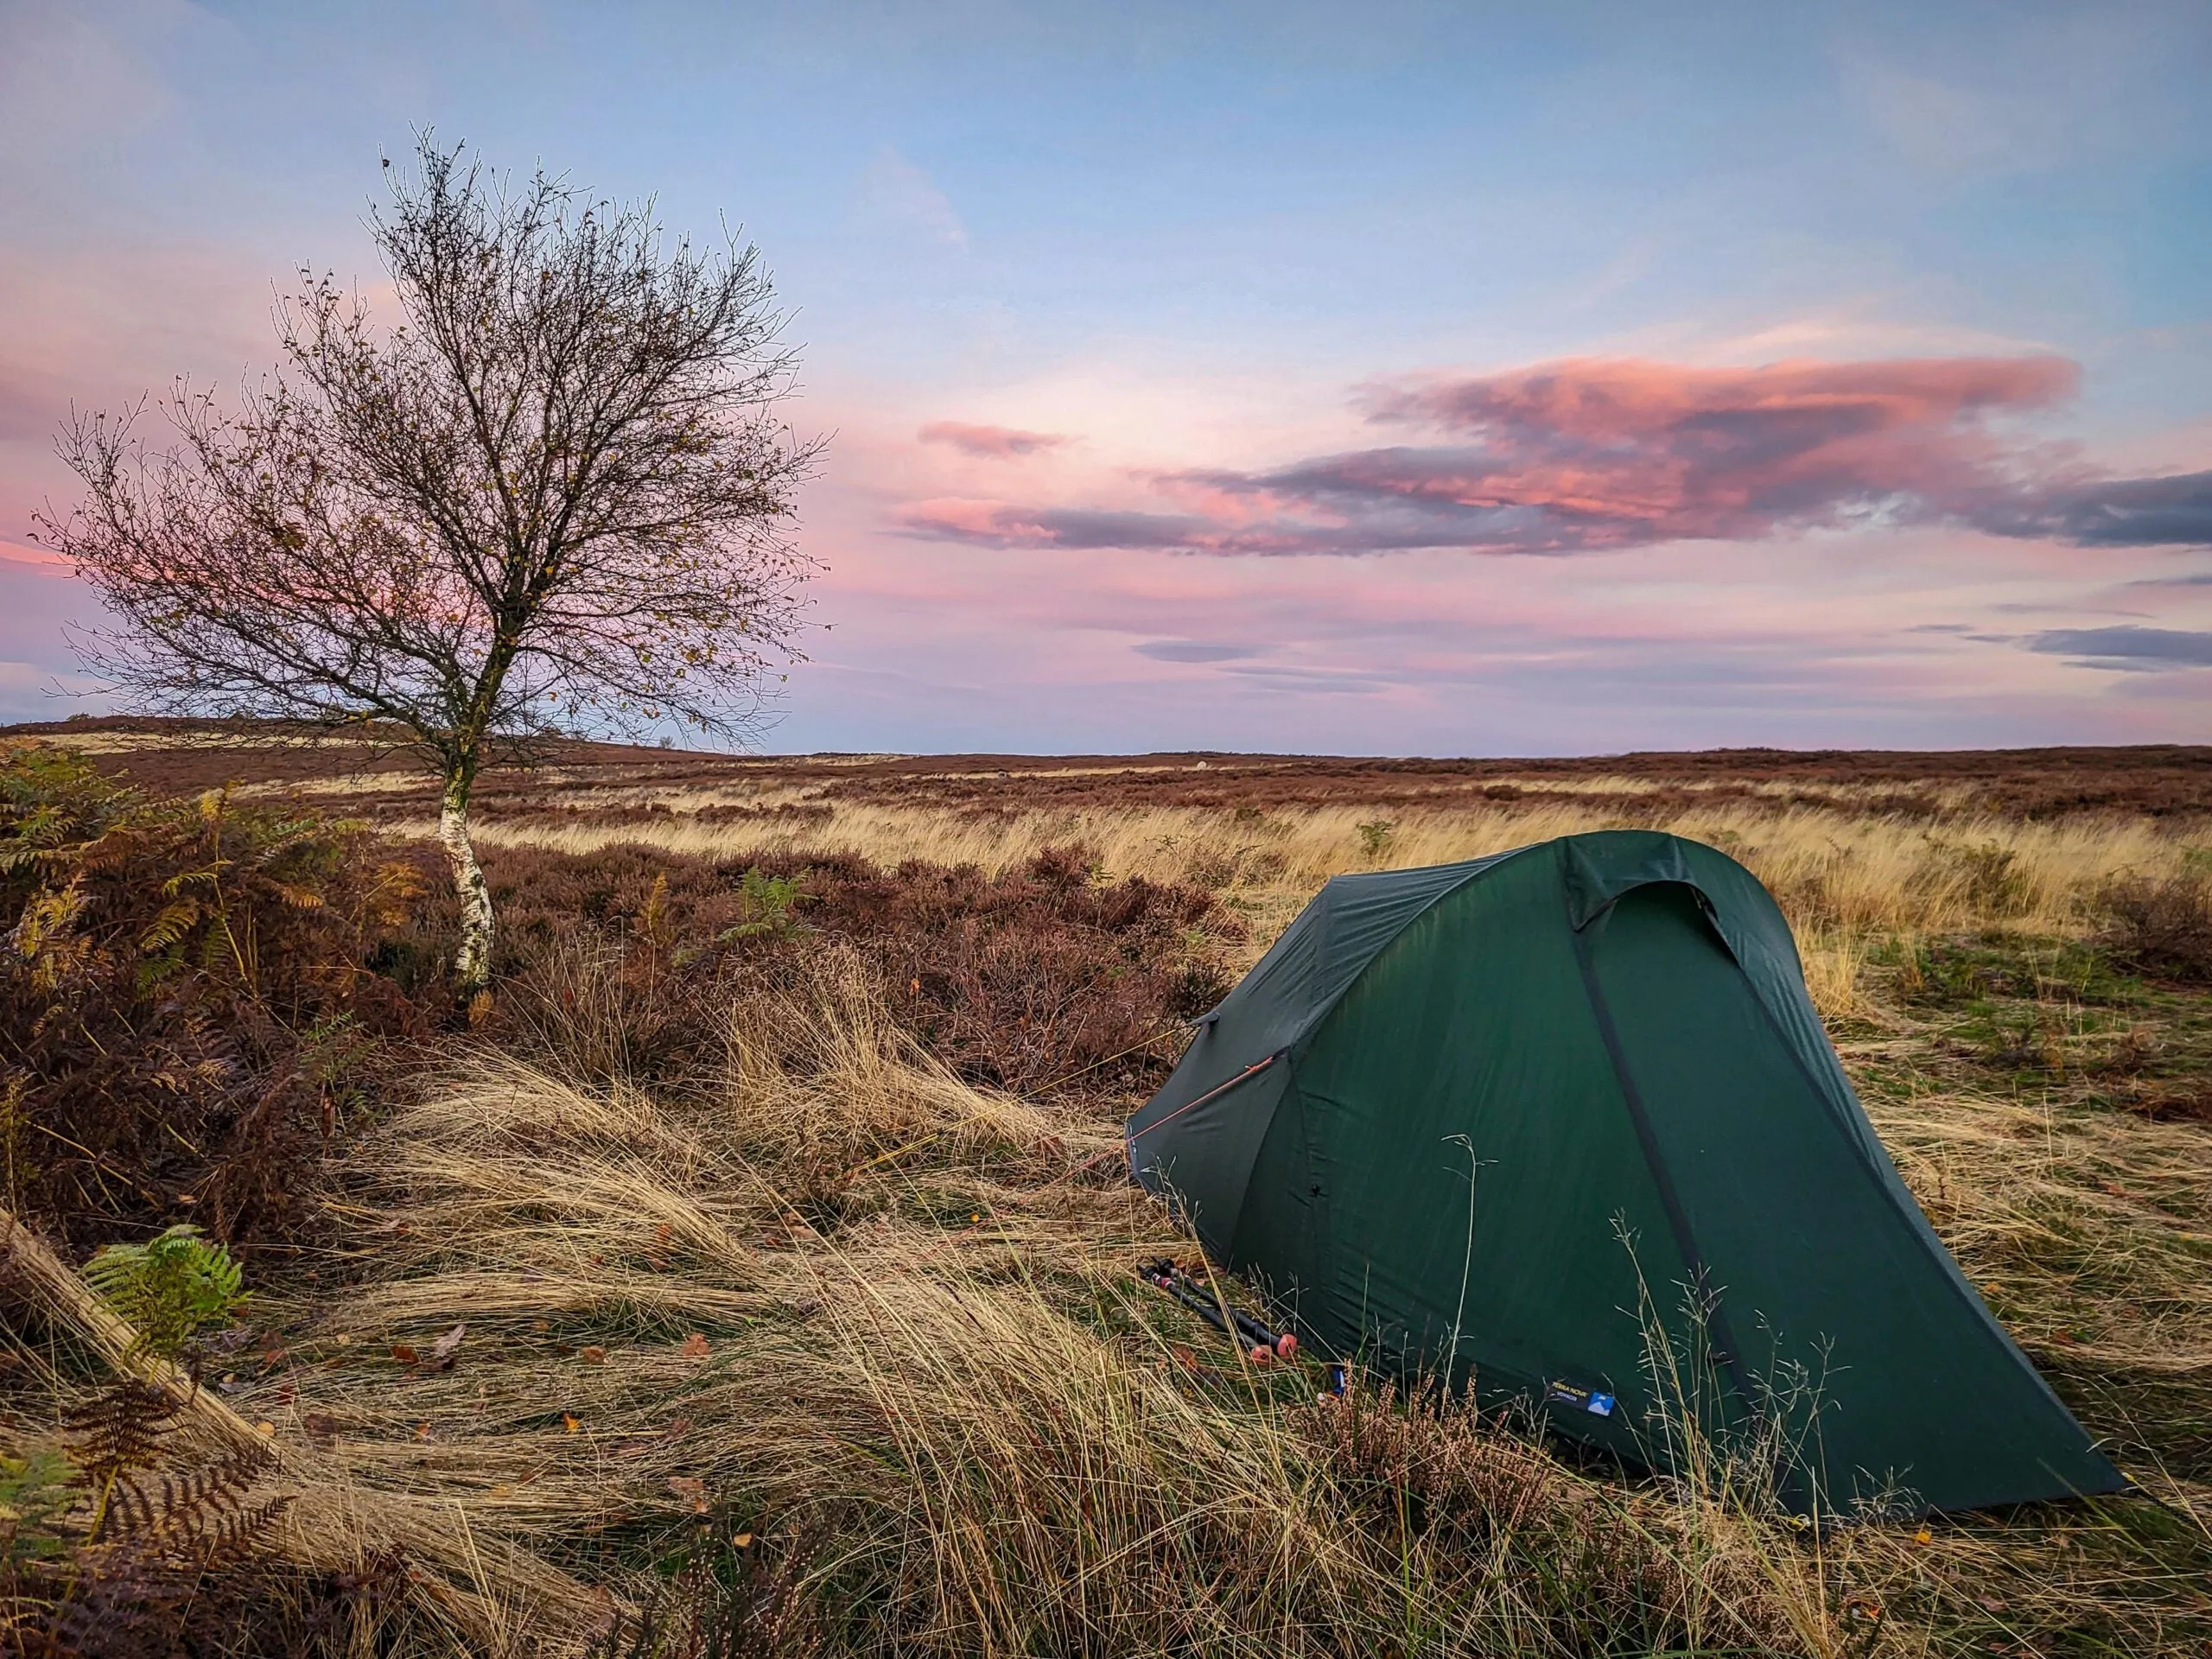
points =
(478, 1591)
(882, 1326)
(886, 1325)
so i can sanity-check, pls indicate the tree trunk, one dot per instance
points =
(472, 961)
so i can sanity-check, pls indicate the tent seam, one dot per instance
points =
(1669, 1200)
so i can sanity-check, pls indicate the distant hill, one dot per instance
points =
(2159, 779)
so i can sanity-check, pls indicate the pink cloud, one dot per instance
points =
(990, 442)
(36, 558)
(1588, 455)
(1628, 451)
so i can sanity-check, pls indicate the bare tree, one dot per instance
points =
(554, 496)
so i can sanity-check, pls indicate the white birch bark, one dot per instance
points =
(472, 961)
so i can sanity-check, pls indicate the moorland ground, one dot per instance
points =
(778, 1207)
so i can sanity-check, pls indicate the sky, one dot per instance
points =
(1387, 379)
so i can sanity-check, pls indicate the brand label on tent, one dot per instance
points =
(1565, 1394)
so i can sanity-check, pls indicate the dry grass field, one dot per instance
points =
(741, 1291)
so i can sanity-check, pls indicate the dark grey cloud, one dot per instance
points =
(997, 523)
(2198, 579)
(2175, 510)
(2141, 650)
(1192, 651)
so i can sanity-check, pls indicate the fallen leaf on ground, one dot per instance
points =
(594, 1355)
(691, 1487)
(606, 1614)
(405, 1355)
(695, 1347)
(444, 1347)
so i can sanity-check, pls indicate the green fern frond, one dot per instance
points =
(170, 1287)
(174, 922)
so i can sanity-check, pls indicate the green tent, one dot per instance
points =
(1563, 1121)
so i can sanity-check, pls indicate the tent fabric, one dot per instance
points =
(1562, 1123)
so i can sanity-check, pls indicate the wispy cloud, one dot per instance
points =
(900, 191)
(1595, 454)
(990, 442)
(2133, 649)
(1000, 524)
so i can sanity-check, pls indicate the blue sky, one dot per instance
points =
(1207, 250)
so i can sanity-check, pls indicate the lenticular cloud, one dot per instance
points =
(1598, 453)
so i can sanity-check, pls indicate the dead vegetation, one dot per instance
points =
(1027, 977)
(760, 1280)
(185, 994)
(847, 1317)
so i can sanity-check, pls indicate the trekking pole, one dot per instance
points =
(1251, 1329)
(1266, 1345)
(1162, 1275)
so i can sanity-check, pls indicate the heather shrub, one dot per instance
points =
(2163, 926)
(1037, 976)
